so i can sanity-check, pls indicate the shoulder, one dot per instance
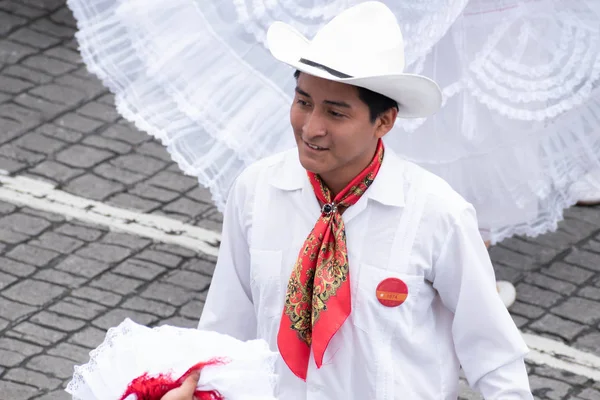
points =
(255, 178)
(442, 205)
(259, 174)
(263, 169)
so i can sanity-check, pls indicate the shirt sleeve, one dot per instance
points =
(229, 308)
(488, 344)
(508, 382)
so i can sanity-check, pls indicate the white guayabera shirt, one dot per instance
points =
(408, 225)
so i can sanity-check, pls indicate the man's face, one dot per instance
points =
(332, 127)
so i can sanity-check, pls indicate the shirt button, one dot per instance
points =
(312, 388)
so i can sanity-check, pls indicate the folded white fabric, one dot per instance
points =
(130, 350)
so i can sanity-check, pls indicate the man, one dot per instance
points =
(364, 271)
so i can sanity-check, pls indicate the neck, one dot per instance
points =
(337, 180)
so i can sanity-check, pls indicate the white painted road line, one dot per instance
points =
(43, 196)
(558, 355)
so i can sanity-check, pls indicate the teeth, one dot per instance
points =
(312, 146)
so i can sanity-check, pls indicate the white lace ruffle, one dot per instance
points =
(176, 76)
(196, 75)
(587, 189)
(130, 350)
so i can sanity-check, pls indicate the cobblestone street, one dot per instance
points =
(64, 282)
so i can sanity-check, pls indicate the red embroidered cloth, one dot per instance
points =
(146, 387)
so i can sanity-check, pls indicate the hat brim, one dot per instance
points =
(417, 96)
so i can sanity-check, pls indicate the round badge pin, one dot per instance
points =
(392, 292)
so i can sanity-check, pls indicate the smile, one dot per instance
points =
(315, 147)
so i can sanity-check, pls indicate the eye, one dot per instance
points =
(303, 103)
(336, 114)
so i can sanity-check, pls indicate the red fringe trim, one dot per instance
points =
(147, 387)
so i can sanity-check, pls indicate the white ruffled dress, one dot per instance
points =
(131, 350)
(519, 125)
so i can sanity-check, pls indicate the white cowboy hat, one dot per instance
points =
(362, 46)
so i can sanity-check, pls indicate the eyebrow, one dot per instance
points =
(330, 102)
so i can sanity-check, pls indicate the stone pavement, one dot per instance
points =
(63, 283)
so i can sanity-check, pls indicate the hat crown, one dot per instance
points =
(362, 46)
(363, 40)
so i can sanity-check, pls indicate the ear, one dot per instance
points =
(385, 122)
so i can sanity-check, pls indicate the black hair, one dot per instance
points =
(377, 103)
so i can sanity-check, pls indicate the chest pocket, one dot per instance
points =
(391, 307)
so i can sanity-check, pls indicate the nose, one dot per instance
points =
(314, 126)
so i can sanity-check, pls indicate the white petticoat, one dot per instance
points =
(520, 121)
(130, 350)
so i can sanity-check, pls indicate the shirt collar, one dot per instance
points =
(387, 188)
